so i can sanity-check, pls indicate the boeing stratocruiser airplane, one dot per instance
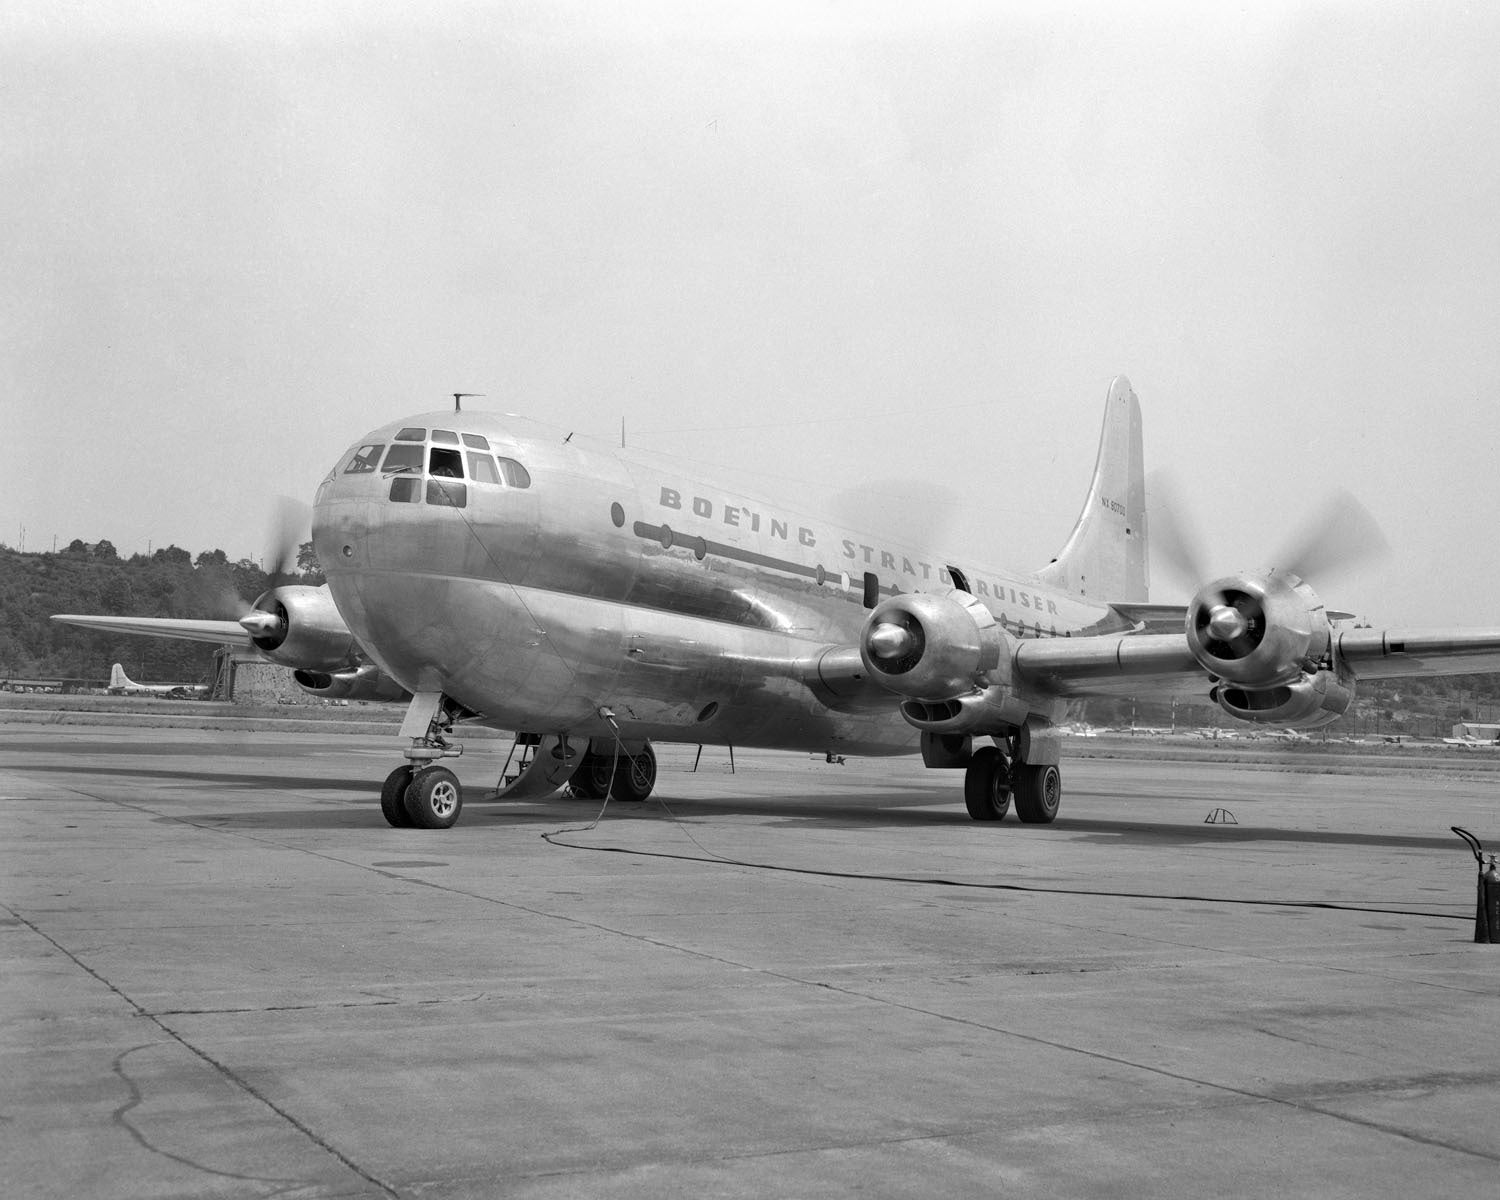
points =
(494, 570)
(120, 684)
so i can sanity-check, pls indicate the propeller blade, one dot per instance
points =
(1178, 543)
(291, 520)
(1340, 534)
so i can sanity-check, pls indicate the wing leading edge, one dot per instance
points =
(218, 632)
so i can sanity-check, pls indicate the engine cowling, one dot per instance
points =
(947, 657)
(367, 682)
(1268, 642)
(300, 626)
(1312, 700)
(1258, 632)
(933, 646)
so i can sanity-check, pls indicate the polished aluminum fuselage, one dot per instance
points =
(690, 613)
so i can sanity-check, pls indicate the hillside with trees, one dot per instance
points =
(93, 578)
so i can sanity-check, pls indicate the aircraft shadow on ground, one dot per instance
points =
(216, 779)
(890, 809)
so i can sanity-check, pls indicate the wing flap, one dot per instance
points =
(219, 632)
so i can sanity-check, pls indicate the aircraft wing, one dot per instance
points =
(1122, 664)
(1143, 664)
(1399, 653)
(218, 632)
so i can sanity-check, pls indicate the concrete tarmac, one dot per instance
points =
(225, 975)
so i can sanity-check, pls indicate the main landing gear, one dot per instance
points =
(993, 781)
(620, 776)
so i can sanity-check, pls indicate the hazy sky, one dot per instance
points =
(819, 244)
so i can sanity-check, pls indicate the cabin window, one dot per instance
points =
(444, 437)
(410, 434)
(514, 474)
(404, 489)
(402, 458)
(448, 492)
(365, 459)
(482, 468)
(474, 442)
(445, 464)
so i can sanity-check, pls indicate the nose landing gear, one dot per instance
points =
(421, 793)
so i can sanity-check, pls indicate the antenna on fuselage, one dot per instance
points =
(459, 396)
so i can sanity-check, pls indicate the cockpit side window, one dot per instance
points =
(482, 468)
(404, 489)
(444, 437)
(411, 434)
(402, 458)
(475, 442)
(446, 464)
(449, 492)
(365, 459)
(514, 474)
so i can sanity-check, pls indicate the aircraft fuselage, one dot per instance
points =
(588, 579)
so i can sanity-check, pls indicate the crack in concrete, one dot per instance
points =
(222, 1069)
(121, 1118)
(1305, 1105)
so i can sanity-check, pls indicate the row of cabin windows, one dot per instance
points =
(445, 466)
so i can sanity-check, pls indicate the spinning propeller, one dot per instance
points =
(1230, 620)
(288, 527)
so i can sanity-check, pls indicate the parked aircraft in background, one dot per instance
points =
(509, 574)
(120, 684)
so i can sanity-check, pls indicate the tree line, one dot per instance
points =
(94, 578)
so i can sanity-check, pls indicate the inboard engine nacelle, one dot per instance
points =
(1268, 641)
(946, 655)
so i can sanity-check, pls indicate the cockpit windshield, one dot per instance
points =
(429, 465)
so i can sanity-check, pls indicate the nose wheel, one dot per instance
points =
(427, 799)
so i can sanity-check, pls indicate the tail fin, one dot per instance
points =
(118, 678)
(1105, 556)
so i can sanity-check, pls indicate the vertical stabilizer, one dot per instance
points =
(1105, 556)
(118, 678)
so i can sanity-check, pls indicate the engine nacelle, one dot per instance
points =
(1260, 632)
(1309, 701)
(300, 626)
(934, 646)
(989, 710)
(368, 682)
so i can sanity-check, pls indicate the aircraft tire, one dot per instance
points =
(393, 797)
(987, 785)
(1038, 792)
(434, 799)
(591, 780)
(635, 776)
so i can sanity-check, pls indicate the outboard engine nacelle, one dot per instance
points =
(934, 646)
(1259, 632)
(367, 682)
(300, 626)
(1312, 700)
